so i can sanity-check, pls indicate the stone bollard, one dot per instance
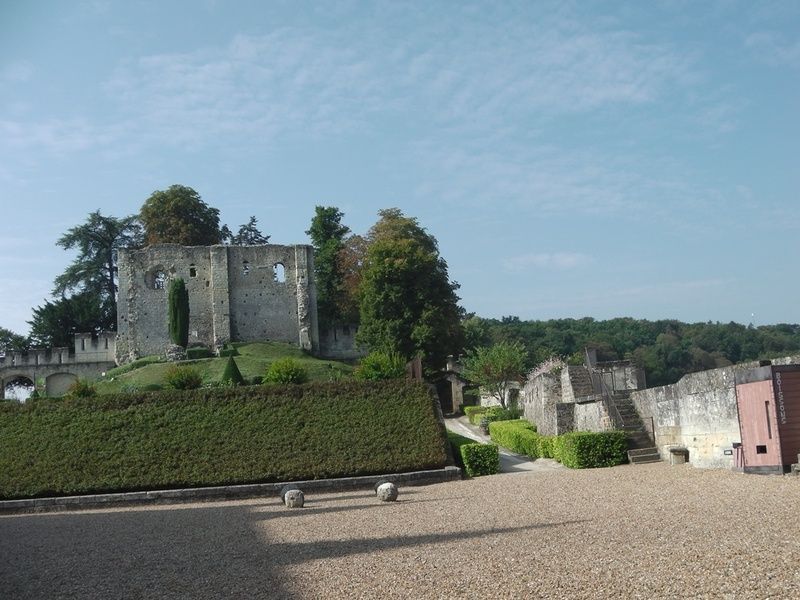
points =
(378, 484)
(387, 492)
(294, 499)
(285, 489)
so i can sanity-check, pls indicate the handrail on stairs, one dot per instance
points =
(600, 388)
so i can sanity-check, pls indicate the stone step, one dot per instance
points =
(643, 455)
(643, 451)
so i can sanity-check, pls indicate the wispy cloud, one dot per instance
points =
(547, 260)
(774, 48)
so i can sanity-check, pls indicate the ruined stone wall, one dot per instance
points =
(538, 399)
(236, 293)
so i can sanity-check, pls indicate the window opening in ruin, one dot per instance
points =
(159, 280)
(106, 343)
(245, 268)
(83, 344)
(769, 425)
(761, 449)
(192, 271)
(279, 272)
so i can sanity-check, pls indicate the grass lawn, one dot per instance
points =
(252, 359)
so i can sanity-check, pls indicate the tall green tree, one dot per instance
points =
(178, 304)
(93, 273)
(408, 303)
(178, 215)
(55, 323)
(495, 367)
(328, 238)
(12, 342)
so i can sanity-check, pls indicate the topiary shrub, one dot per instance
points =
(475, 413)
(587, 450)
(518, 436)
(81, 388)
(178, 304)
(480, 459)
(286, 370)
(381, 365)
(183, 377)
(232, 375)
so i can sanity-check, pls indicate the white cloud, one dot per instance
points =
(547, 260)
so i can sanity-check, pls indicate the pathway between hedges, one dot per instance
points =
(510, 462)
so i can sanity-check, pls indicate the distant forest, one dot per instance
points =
(666, 350)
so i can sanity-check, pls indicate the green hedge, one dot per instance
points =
(518, 436)
(474, 413)
(586, 450)
(456, 441)
(198, 352)
(578, 450)
(492, 413)
(480, 459)
(216, 436)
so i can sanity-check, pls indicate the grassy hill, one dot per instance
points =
(252, 359)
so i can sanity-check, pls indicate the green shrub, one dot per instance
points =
(183, 377)
(546, 446)
(286, 370)
(81, 388)
(586, 450)
(381, 365)
(131, 366)
(475, 413)
(480, 459)
(220, 436)
(456, 441)
(198, 353)
(231, 375)
(518, 436)
(498, 413)
(178, 309)
(232, 351)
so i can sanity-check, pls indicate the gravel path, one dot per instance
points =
(649, 531)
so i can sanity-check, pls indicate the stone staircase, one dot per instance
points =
(641, 446)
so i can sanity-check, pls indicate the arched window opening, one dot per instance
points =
(159, 280)
(279, 272)
(245, 268)
(192, 271)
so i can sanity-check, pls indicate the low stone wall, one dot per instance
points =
(699, 413)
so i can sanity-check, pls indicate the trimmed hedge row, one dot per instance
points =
(480, 459)
(219, 436)
(474, 462)
(476, 414)
(577, 450)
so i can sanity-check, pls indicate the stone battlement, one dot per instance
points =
(87, 349)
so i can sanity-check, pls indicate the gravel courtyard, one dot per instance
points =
(650, 531)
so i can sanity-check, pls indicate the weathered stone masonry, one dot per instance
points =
(236, 293)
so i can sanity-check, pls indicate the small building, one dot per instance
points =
(768, 403)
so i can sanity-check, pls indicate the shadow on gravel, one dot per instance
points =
(288, 553)
(197, 552)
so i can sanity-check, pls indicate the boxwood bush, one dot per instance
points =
(578, 450)
(218, 436)
(586, 450)
(480, 459)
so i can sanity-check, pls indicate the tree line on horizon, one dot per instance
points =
(392, 284)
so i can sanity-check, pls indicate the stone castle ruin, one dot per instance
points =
(236, 293)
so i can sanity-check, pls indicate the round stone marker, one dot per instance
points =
(379, 483)
(285, 489)
(387, 492)
(294, 499)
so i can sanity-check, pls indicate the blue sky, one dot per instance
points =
(573, 159)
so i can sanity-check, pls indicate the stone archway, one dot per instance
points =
(16, 387)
